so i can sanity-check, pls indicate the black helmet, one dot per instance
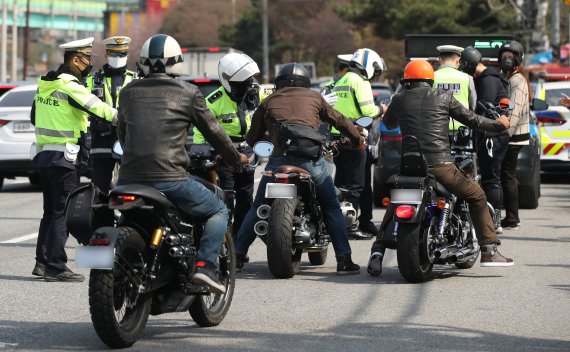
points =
(514, 47)
(292, 75)
(470, 58)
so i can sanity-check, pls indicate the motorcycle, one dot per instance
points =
(144, 263)
(291, 222)
(431, 225)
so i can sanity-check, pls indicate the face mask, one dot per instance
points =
(117, 62)
(507, 65)
(86, 70)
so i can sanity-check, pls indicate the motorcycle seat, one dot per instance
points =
(286, 169)
(143, 191)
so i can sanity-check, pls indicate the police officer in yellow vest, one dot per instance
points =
(106, 85)
(233, 104)
(59, 113)
(355, 100)
(448, 77)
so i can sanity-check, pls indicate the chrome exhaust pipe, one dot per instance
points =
(176, 252)
(263, 211)
(173, 239)
(444, 252)
(463, 255)
(261, 227)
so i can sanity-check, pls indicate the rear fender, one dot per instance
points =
(110, 233)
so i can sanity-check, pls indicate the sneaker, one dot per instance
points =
(490, 256)
(508, 225)
(39, 269)
(207, 274)
(499, 230)
(375, 264)
(241, 259)
(368, 227)
(63, 276)
(345, 266)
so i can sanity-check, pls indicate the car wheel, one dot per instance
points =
(1, 182)
(529, 194)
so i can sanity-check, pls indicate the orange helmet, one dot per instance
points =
(418, 70)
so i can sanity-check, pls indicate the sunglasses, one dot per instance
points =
(116, 54)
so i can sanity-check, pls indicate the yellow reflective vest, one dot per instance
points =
(449, 78)
(62, 107)
(106, 85)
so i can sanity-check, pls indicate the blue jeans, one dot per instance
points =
(195, 200)
(326, 195)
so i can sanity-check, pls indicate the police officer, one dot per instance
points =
(106, 85)
(448, 77)
(355, 99)
(233, 104)
(59, 113)
(342, 69)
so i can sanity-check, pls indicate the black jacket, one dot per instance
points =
(491, 87)
(154, 116)
(423, 112)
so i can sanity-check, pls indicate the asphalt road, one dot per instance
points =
(523, 308)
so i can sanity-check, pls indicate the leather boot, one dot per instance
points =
(345, 266)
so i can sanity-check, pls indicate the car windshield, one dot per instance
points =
(553, 95)
(17, 99)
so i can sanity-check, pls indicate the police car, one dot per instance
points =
(554, 126)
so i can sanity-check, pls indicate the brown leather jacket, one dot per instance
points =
(154, 117)
(296, 105)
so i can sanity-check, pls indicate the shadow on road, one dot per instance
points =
(555, 177)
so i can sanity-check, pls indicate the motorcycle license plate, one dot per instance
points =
(94, 257)
(280, 190)
(407, 195)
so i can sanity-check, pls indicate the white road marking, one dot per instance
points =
(21, 238)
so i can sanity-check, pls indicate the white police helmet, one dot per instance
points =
(369, 62)
(236, 68)
(161, 54)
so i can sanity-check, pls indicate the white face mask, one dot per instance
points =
(116, 62)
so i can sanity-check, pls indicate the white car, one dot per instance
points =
(17, 134)
(554, 126)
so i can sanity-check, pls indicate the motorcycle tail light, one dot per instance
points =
(127, 198)
(99, 242)
(405, 212)
(386, 201)
(281, 178)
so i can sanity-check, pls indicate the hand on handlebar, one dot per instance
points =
(504, 120)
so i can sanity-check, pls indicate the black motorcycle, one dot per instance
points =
(292, 220)
(144, 263)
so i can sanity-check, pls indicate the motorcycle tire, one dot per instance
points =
(318, 258)
(413, 261)
(112, 293)
(283, 259)
(210, 310)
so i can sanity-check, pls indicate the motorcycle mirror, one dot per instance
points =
(364, 121)
(263, 149)
(117, 148)
(538, 104)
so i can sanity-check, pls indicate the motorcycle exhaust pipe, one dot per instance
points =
(263, 211)
(173, 239)
(176, 252)
(443, 253)
(462, 255)
(261, 227)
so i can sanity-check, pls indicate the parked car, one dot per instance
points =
(554, 126)
(388, 164)
(17, 134)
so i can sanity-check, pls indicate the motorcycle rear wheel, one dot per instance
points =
(413, 261)
(210, 310)
(283, 259)
(118, 311)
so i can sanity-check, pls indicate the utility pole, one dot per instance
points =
(555, 24)
(3, 47)
(14, 75)
(26, 40)
(265, 42)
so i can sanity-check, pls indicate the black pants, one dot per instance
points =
(57, 183)
(350, 164)
(103, 173)
(510, 183)
(491, 152)
(238, 188)
(366, 199)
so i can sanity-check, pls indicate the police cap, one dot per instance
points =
(450, 49)
(117, 43)
(83, 46)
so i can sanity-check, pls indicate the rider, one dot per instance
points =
(154, 117)
(355, 100)
(293, 102)
(429, 122)
(233, 104)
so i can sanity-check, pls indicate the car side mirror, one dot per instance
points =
(538, 104)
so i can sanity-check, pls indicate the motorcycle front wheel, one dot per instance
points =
(282, 257)
(413, 252)
(210, 310)
(118, 311)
